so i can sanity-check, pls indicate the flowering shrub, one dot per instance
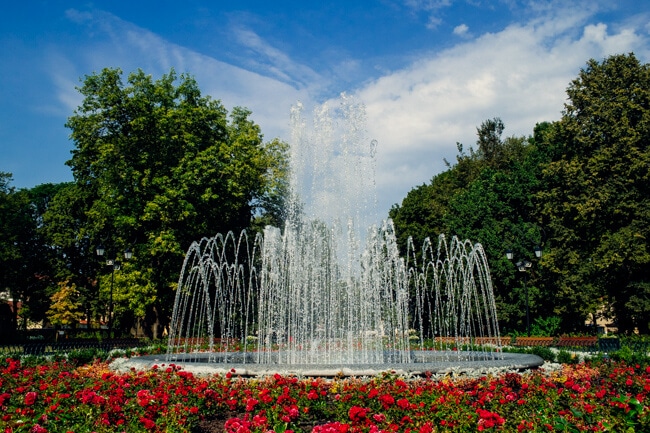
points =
(62, 397)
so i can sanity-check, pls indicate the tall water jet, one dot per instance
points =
(330, 287)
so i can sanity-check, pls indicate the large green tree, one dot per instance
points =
(596, 199)
(486, 196)
(156, 167)
(25, 260)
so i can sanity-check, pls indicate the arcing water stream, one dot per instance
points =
(330, 287)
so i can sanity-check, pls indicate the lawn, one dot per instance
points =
(61, 396)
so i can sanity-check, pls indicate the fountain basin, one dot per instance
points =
(424, 362)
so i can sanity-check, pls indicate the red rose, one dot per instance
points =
(386, 400)
(403, 403)
(357, 413)
(30, 398)
(147, 423)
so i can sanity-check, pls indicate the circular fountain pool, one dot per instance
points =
(424, 362)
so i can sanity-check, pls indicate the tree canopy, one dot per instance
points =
(156, 166)
(597, 192)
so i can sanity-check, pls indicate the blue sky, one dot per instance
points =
(428, 71)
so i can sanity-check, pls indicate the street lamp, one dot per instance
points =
(115, 266)
(523, 266)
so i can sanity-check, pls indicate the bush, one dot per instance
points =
(85, 356)
(565, 357)
(630, 356)
(546, 327)
(543, 352)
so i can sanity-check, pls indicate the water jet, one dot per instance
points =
(329, 293)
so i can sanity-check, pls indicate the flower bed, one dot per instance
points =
(60, 397)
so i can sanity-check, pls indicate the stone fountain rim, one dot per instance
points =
(502, 361)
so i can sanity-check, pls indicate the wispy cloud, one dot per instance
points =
(431, 8)
(272, 62)
(269, 94)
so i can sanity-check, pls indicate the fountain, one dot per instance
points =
(330, 294)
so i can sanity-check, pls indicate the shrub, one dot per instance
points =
(565, 357)
(546, 327)
(543, 352)
(85, 356)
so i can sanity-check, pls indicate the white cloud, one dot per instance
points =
(461, 30)
(78, 16)
(433, 22)
(519, 74)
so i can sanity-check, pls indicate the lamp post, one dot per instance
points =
(523, 266)
(115, 266)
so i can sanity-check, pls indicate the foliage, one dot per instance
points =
(565, 357)
(157, 166)
(595, 200)
(25, 261)
(487, 196)
(65, 308)
(85, 356)
(545, 327)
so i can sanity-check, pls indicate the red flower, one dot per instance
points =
(250, 404)
(147, 423)
(403, 403)
(30, 398)
(259, 421)
(357, 413)
(333, 427)
(38, 429)
(386, 400)
(237, 425)
(144, 397)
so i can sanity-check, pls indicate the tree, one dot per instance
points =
(422, 211)
(490, 145)
(156, 167)
(72, 254)
(21, 262)
(497, 209)
(65, 309)
(596, 199)
(488, 197)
